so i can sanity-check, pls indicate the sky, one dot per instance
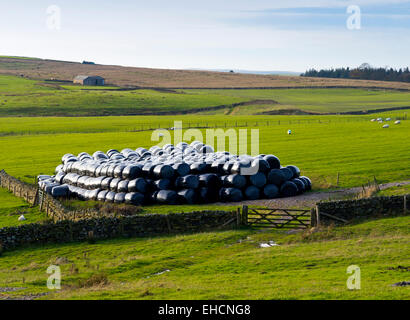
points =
(288, 35)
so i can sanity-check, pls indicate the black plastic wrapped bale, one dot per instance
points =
(104, 170)
(97, 182)
(235, 181)
(81, 194)
(300, 184)
(137, 185)
(118, 171)
(238, 166)
(109, 197)
(198, 167)
(181, 169)
(123, 186)
(114, 184)
(59, 177)
(150, 197)
(308, 183)
(163, 184)
(258, 180)
(208, 195)
(287, 173)
(252, 193)
(259, 165)
(131, 172)
(188, 196)
(60, 191)
(105, 183)
(119, 197)
(147, 170)
(101, 195)
(163, 171)
(167, 197)
(295, 170)
(230, 195)
(276, 177)
(135, 198)
(81, 182)
(188, 182)
(289, 189)
(210, 180)
(271, 191)
(110, 171)
(217, 167)
(227, 167)
(93, 194)
(273, 161)
(98, 170)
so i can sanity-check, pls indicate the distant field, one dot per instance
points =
(221, 265)
(166, 78)
(23, 97)
(321, 146)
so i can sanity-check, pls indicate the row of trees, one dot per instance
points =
(365, 71)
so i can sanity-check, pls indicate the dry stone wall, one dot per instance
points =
(106, 228)
(363, 208)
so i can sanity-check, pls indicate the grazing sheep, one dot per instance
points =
(397, 122)
(289, 131)
(386, 126)
(22, 218)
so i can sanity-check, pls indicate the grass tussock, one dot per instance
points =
(95, 280)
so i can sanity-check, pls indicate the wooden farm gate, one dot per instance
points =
(276, 218)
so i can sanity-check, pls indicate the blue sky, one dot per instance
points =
(291, 35)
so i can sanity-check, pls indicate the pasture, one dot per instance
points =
(24, 97)
(322, 146)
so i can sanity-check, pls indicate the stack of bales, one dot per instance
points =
(181, 174)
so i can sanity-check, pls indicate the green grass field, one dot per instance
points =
(214, 265)
(222, 265)
(24, 97)
(321, 146)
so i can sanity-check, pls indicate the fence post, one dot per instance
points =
(238, 217)
(313, 222)
(245, 215)
(317, 216)
(405, 204)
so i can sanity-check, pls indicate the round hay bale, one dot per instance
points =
(137, 185)
(252, 193)
(271, 191)
(259, 180)
(167, 197)
(288, 189)
(134, 198)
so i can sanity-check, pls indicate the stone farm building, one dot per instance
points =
(89, 80)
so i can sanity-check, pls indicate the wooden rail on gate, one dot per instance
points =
(276, 218)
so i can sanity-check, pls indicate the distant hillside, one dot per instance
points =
(167, 78)
(279, 73)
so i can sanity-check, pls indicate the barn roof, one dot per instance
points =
(82, 77)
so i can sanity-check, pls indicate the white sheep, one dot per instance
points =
(386, 126)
